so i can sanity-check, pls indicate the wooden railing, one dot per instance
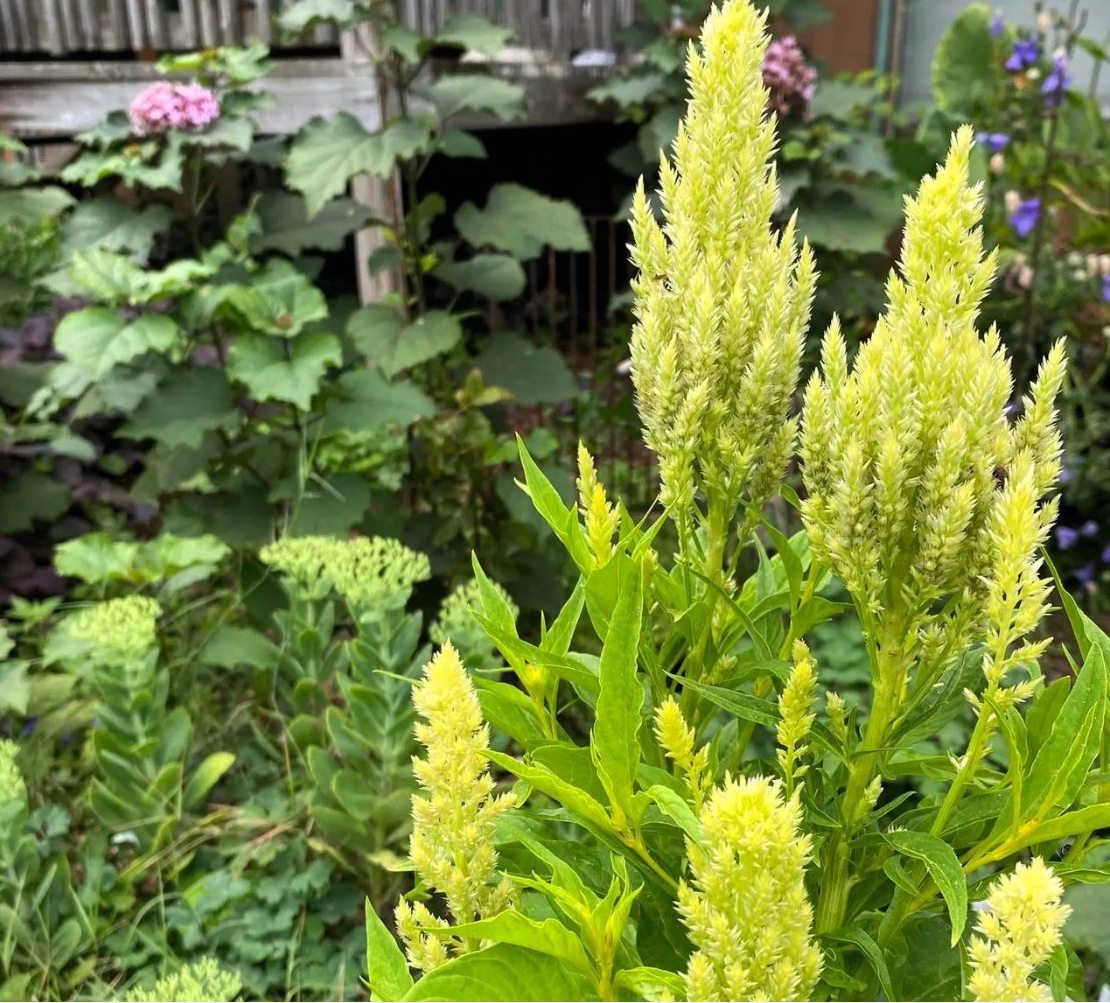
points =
(59, 27)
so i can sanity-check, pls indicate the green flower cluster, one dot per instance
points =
(203, 981)
(119, 630)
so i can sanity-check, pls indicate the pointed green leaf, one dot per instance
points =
(388, 343)
(262, 366)
(944, 868)
(495, 276)
(387, 971)
(522, 222)
(205, 776)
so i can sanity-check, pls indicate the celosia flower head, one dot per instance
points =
(789, 78)
(203, 981)
(454, 820)
(921, 491)
(366, 571)
(746, 907)
(163, 106)
(119, 630)
(1018, 929)
(722, 303)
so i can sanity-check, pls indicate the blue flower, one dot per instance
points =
(1106, 554)
(1057, 81)
(1106, 289)
(1024, 218)
(1089, 528)
(997, 26)
(996, 142)
(1066, 475)
(1025, 54)
(1066, 537)
(1085, 574)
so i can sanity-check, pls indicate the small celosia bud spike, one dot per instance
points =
(796, 715)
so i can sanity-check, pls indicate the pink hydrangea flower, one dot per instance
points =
(164, 105)
(789, 78)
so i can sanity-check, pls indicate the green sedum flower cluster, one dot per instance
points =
(204, 981)
(119, 630)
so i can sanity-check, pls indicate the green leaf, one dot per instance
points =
(615, 737)
(108, 223)
(183, 409)
(522, 222)
(30, 205)
(842, 220)
(368, 401)
(548, 936)
(29, 497)
(97, 339)
(1071, 823)
(234, 133)
(562, 518)
(230, 647)
(497, 277)
(860, 938)
(964, 72)
(379, 332)
(531, 374)
(676, 808)
(456, 143)
(205, 777)
(304, 14)
(287, 228)
(577, 801)
(328, 152)
(332, 507)
(95, 558)
(503, 972)
(628, 91)
(474, 34)
(15, 686)
(284, 370)
(1062, 763)
(944, 868)
(743, 705)
(476, 92)
(387, 970)
(280, 300)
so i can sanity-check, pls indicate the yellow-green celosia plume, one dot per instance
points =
(1019, 927)
(922, 495)
(722, 303)
(452, 843)
(746, 906)
(796, 714)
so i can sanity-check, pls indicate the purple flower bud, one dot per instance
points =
(1066, 537)
(1106, 554)
(997, 26)
(1089, 528)
(996, 142)
(1057, 81)
(1025, 217)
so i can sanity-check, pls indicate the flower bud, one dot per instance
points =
(998, 163)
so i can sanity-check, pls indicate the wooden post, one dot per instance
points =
(381, 196)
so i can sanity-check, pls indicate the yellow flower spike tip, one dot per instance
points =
(922, 495)
(722, 303)
(678, 741)
(454, 820)
(601, 518)
(746, 907)
(1019, 926)
(796, 715)
(119, 629)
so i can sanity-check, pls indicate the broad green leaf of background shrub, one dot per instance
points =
(522, 221)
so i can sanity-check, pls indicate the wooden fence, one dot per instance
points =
(59, 27)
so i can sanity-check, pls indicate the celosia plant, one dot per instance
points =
(685, 822)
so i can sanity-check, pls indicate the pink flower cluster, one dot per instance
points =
(164, 106)
(789, 78)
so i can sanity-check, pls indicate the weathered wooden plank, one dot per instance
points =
(88, 25)
(231, 27)
(51, 33)
(156, 24)
(116, 37)
(137, 22)
(9, 31)
(189, 26)
(209, 24)
(263, 17)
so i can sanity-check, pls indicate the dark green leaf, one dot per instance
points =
(532, 375)
(522, 222)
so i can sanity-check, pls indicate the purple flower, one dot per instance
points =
(29, 725)
(1089, 528)
(1066, 537)
(1025, 54)
(1024, 218)
(1066, 475)
(1057, 81)
(1085, 574)
(1106, 289)
(788, 77)
(996, 142)
(1106, 554)
(998, 26)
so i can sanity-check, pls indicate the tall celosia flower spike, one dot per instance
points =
(923, 497)
(722, 304)
(746, 907)
(1019, 928)
(452, 843)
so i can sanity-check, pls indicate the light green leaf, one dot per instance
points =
(108, 223)
(627, 91)
(387, 971)
(615, 738)
(456, 143)
(205, 777)
(368, 401)
(561, 517)
(533, 375)
(30, 205)
(328, 152)
(388, 343)
(651, 983)
(860, 938)
(95, 558)
(280, 300)
(574, 799)
(1062, 763)
(677, 809)
(474, 34)
(495, 276)
(547, 936)
(408, 44)
(476, 92)
(503, 972)
(522, 222)
(964, 72)
(944, 868)
(96, 339)
(287, 369)
(15, 684)
(233, 133)
(230, 647)
(287, 228)
(304, 14)
(183, 408)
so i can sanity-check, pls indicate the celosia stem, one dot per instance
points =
(975, 746)
(716, 539)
